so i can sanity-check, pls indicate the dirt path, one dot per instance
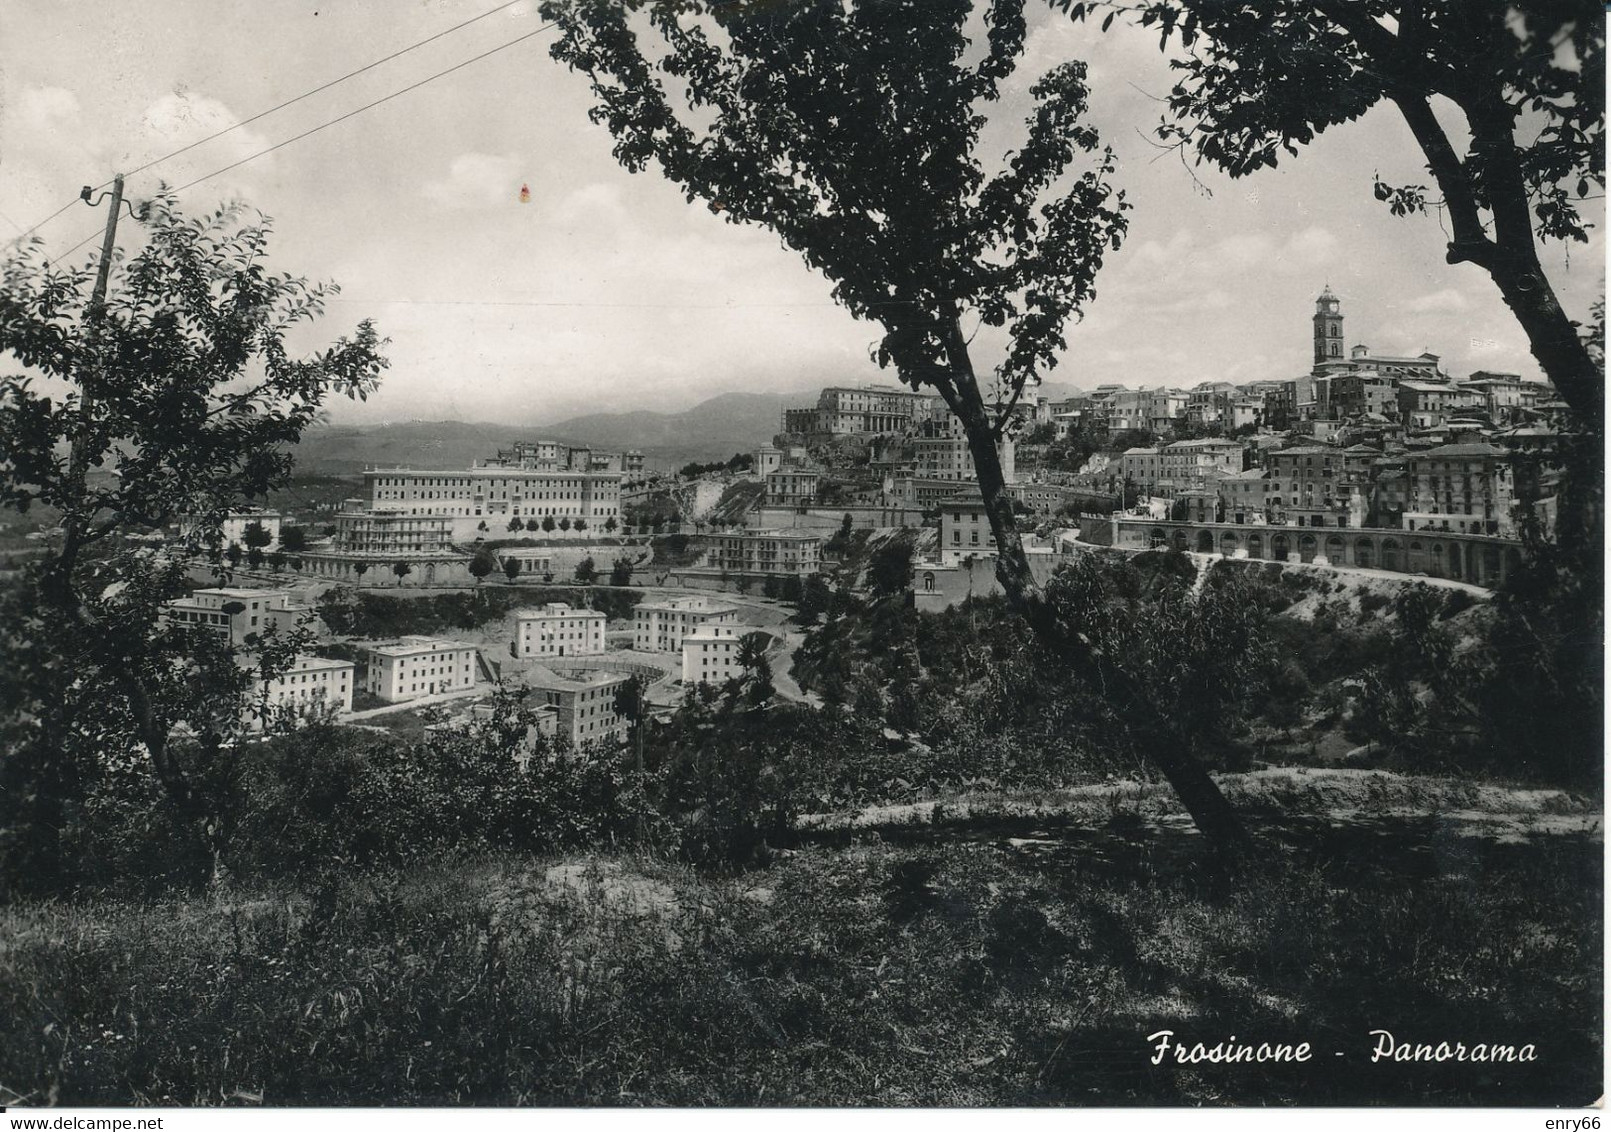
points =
(1340, 798)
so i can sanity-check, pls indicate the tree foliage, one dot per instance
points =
(175, 396)
(852, 131)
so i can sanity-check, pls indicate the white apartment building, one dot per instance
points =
(766, 552)
(558, 630)
(585, 706)
(312, 683)
(710, 654)
(660, 626)
(238, 612)
(415, 666)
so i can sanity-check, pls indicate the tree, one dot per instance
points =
(482, 563)
(1043, 433)
(850, 131)
(1176, 669)
(548, 524)
(564, 523)
(621, 572)
(511, 569)
(815, 598)
(757, 681)
(402, 570)
(293, 540)
(580, 525)
(890, 571)
(176, 373)
(586, 572)
(1523, 84)
(359, 569)
(610, 524)
(255, 536)
(516, 525)
(276, 561)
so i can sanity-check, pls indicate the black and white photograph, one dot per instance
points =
(801, 554)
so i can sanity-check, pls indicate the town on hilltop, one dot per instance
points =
(1365, 463)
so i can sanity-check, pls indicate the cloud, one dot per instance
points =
(1309, 248)
(43, 107)
(1446, 301)
(184, 117)
(477, 181)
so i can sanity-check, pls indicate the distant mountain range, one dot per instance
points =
(712, 430)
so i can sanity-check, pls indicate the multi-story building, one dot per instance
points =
(1244, 496)
(312, 684)
(1192, 461)
(766, 552)
(1468, 488)
(847, 411)
(965, 528)
(558, 630)
(390, 533)
(1142, 466)
(940, 450)
(1357, 396)
(924, 494)
(585, 706)
(238, 613)
(1246, 411)
(791, 487)
(1308, 487)
(415, 666)
(1427, 404)
(1503, 396)
(660, 626)
(710, 654)
(525, 486)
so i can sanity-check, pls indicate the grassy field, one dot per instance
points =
(960, 967)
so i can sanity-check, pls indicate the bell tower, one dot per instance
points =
(1328, 328)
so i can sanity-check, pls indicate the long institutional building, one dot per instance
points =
(531, 481)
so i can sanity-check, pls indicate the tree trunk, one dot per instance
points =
(1214, 817)
(1510, 254)
(1551, 335)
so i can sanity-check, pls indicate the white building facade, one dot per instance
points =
(710, 654)
(420, 666)
(558, 630)
(660, 626)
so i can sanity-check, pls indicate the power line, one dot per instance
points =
(324, 87)
(32, 228)
(322, 126)
(366, 106)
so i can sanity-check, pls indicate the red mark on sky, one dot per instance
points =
(525, 194)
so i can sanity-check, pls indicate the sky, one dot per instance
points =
(607, 291)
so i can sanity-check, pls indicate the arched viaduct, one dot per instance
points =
(1482, 560)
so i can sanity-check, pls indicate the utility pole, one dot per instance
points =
(75, 520)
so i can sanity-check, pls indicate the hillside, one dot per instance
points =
(716, 428)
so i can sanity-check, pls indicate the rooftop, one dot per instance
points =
(556, 609)
(1459, 451)
(413, 645)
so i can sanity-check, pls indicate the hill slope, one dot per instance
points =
(716, 428)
